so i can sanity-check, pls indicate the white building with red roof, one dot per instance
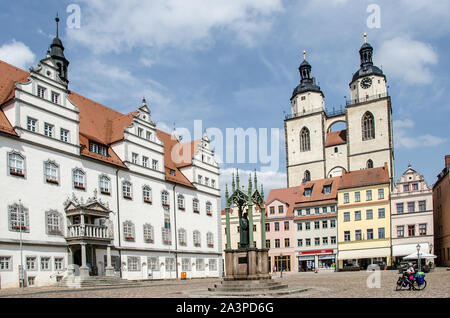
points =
(84, 184)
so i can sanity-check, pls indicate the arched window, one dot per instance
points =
(147, 194)
(368, 126)
(305, 143)
(126, 190)
(369, 164)
(128, 230)
(208, 208)
(197, 242)
(16, 164)
(79, 179)
(105, 185)
(210, 239)
(182, 237)
(165, 198)
(18, 218)
(307, 176)
(51, 172)
(195, 206)
(148, 233)
(53, 221)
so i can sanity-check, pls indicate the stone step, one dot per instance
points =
(260, 285)
(249, 288)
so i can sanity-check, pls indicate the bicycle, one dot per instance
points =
(417, 282)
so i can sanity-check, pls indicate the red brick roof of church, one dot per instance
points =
(100, 124)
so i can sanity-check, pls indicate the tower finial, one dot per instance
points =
(57, 25)
(365, 37)
(304, 55)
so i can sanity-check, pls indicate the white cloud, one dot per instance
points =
(17, 54)
(407, 59)
(122, 25)
(404, 138)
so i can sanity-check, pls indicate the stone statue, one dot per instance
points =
(244, 232)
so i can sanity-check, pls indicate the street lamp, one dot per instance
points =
(281, 265)
(20, 215)
(418, 256)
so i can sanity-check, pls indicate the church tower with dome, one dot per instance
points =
(314, 150)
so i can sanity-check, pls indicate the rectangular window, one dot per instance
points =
(381, 213)
(415, 186)
(422, 229)
(333, 240)
(277, 243)
(286, 225)
(370, 234)
(325, 240)
(170, 264)
(400, 231)
(272, 210)
(133, 264)
(280, 209)
(45, 263)
(153, 263)
(411, 206)
(406, 187)
(267, 243)
(357, 215)
(327, 189)
(5, 263)
(332, 209)
(199, 264)
(286, 242)
(308, 242)
(135, 158)
(299, 242)
(277, 226)
(186, 264)
(316, 225)
(346, 216)
(213, 183)
(148, 135)
(332, 224)
(317, 210)
(358, 236)
(381, 234)
(316, 241)
(307, 226)
(145, 162)
(140, 132)
(411, 230)
(422, 205)
(346, 197)
(325, 224)
(31, 263)
(64, 135)
(357, 196)
(369, 214)
(308, 211)
(308, 192)
(399, 208)
(299, 226)
(212, 265)
(267, 227)
(324, 209)
(59, 263)
(41, 92)
(368, 195)
(347, 236)
(55, 98)
(380, 194)
(49, 130)
(155, 164)
(31, 124)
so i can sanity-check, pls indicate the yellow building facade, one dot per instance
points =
(364, 219)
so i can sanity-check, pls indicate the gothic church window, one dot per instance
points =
(368, 126)
(305, 143)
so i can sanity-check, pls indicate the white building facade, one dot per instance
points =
(83, 184)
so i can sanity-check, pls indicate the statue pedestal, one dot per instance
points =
(247, 264)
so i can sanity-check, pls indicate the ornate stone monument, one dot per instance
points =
(247, 262)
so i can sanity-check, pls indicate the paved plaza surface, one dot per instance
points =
(325, 284)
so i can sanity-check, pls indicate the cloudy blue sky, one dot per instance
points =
(234, 63)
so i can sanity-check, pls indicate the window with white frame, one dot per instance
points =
(128, 230)
(79, 179)
(186, 264)
(16, 164)
(45, 263)
(207, 182)
(105, 185)
(55, 97)
(153, 264)
(212, 265)
(5, 263)
(180, 200)
(167, 236)
(98, 149)
(134, 263)
(135, 158)
(59, 263)
(208, 208)
(200, 179)
(213, 183)
(165, 198)
(51, 172)
(64, 135)
(49, 130)
(126, 190)
(200, 264)
(41, 92)
(380, 194)
(31, 263)
(182, 240)
(140, 132)
(170, 264)
(195, 205)
(18, 218)
(148, 233)
(154, 164)
(145, 161)
(210, 239)
(147, 194)
(197, 241)
(31, 124)
(53, 221)
(148, 135)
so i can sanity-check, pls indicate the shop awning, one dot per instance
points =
(406, 249)
(306, 258)
(367, 253)
(327, 256)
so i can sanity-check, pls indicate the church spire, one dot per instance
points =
(57, 54)
(366, 53)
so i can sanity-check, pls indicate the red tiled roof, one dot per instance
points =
(100, 124)
(364, 177)
(287, 195)
(336, 138)
(317, 195)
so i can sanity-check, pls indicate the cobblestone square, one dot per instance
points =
(320, 285)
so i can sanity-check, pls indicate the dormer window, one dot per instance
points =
(308, 192)
(327, 189)
(172, 172)
(98, 149)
